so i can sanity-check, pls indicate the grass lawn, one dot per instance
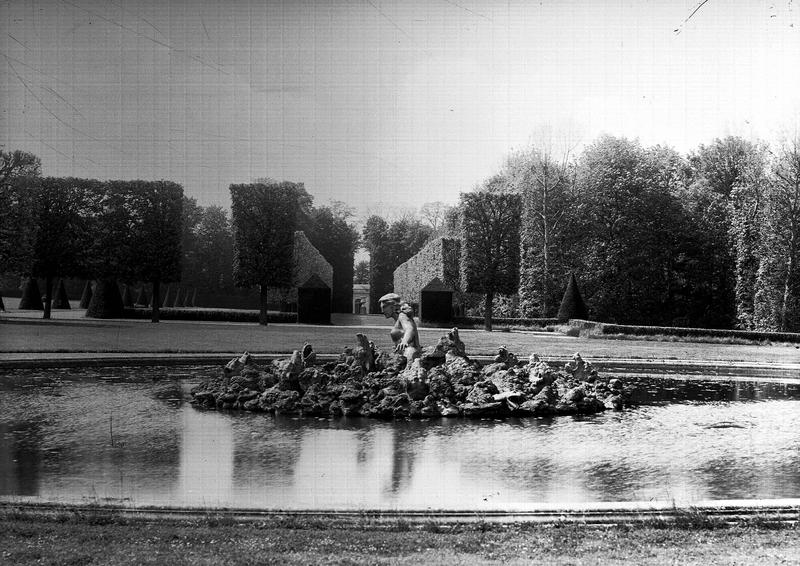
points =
(82, 335)
(93, 541)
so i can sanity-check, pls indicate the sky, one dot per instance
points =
(381, 104)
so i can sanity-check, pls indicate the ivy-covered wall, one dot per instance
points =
(306, 261)
(439, 258)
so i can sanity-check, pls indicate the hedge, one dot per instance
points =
(211, 315)
(439, 258)
(478, 320)
(632, 330)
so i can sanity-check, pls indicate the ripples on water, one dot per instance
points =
(130, 435)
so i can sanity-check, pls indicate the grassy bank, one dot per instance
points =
(131, 336)
(105, 539)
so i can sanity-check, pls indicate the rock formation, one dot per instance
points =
(443, 382)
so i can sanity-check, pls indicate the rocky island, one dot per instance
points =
(442, 382)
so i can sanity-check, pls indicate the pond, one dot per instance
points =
(130, 436)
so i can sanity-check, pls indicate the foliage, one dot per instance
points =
(572, 305)
(490, 245)
(157, 230)
(191, 263)
(18, 163)
(212, 315)
(213, 244)
(327, 229)
(264, 220)
(388, 247)
(263, 233)
(18, 171)
(548, 207)
(777, 297)
(106, 300)
(361, 272)
(634, 235)
(438, 258)
(723, 189)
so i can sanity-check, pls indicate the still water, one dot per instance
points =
(130, 436)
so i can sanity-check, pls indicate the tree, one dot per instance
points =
(725, 179)
(214, 245)
(777, 297)
(632, 231)
(18, 164)
(548, 203)
(434, 214)
(328, 231)
(572, 304)
(17, 209)
(361, 272)
(389, 245)
(63, 236)
(191, 217)
(111, 252)
(264, 222)
(490, 245)
(156, 235)
(374, 236)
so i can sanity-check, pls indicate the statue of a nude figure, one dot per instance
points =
(404, 333)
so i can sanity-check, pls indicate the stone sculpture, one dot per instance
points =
(442, 382)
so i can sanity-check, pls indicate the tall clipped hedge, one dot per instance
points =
(439, 258)
(264, 221)
(156, 252)
(490, 245)
(63, 216)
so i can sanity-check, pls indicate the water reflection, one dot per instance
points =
(131, 436)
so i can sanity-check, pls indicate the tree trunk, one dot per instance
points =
(48, 296)
(262, 312)
(487, 311)
(156, 300)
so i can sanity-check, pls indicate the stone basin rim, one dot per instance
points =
(710, 368)
(598, 513)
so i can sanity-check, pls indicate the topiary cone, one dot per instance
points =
(166, 302)
(31, 296)
(142, 298)
(127, 298)
(572, 305)
(86, 296)
(61, 301)
(106, 301)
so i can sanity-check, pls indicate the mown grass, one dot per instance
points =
(108, 538)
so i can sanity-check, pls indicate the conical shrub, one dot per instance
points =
(127, 297)
(86, 296)
(142, 299)
(106, 300)
(572, 305)
(167, 300)
(31, 296)
(61, 301)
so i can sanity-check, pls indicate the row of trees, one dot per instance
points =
(108, 231)
(149, 231)
(711, 239)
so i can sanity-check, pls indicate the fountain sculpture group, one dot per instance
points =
(439, 381)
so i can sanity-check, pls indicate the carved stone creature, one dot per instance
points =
(365, 354)
(580, 369)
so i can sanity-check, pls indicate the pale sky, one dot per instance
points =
(379, 101)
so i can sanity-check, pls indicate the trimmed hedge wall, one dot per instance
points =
(211, 315)
(439, 258)
(478, 320)
(632, 330)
